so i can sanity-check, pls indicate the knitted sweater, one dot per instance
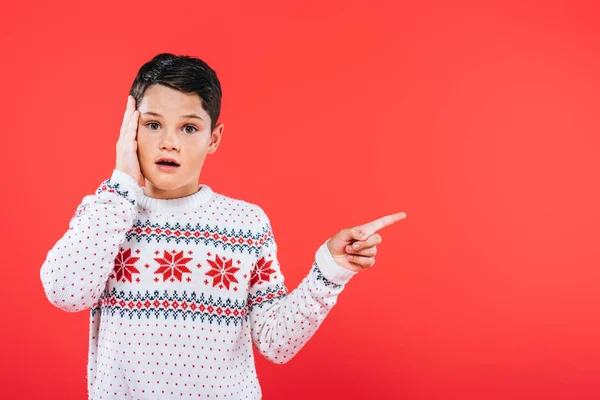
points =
(179, 290)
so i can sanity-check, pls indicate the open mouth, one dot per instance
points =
(167, 162)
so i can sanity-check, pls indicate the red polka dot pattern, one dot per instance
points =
(176, 316)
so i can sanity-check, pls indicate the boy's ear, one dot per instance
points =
(216, 136)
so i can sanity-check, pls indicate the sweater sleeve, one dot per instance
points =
(281, 322)
(78, 265)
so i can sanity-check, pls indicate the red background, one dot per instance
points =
(479, 121)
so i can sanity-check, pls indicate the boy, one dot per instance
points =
(180, 280)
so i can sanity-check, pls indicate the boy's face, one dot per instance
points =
(168, 128)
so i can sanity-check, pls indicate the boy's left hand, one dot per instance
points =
(355, 248)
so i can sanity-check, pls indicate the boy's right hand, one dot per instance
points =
(127, 157)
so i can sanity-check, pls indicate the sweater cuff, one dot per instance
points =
(123, 185)
(330, 269)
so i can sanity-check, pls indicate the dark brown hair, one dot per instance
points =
(184, 73)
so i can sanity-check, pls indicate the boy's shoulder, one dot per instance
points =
(238, 207)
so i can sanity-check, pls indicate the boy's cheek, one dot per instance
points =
(142, 150)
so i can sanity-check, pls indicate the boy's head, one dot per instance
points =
(179, 100)
(184, 73)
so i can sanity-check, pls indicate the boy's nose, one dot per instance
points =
(170, 141)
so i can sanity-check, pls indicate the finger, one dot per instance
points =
(128, 113)
(371, 241)
(363, 262)
(373, 226)
(127, 116)
(350, 234)
(131, 133)
(367, 252)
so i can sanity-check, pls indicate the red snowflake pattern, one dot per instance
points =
(124, 266)
(262, 272)
(223, 273)
(172, 266)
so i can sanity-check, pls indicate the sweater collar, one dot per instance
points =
(186, 203)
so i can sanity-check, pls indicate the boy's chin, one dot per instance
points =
(163, 182)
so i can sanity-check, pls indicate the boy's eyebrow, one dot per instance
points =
(183, 116)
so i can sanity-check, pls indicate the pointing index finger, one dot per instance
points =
(373, 226)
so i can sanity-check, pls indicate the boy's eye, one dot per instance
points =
(188, 128)
(194, 130)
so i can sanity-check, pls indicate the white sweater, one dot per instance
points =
(179, 289)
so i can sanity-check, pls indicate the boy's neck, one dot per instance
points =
(176, 203)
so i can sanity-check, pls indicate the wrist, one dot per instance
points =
(126, 186)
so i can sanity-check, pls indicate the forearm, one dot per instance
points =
(284, 323)
(77, 267)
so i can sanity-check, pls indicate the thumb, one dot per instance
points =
(338, 243)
